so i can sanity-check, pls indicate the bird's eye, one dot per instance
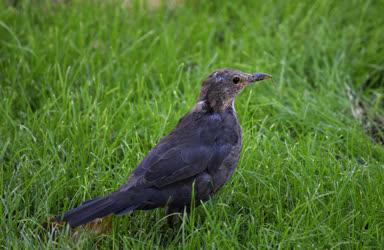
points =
(236, 80)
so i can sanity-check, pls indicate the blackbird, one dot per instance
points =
(192, 162)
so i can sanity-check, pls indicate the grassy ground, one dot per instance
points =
(87, 90)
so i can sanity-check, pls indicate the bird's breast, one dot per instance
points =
(218, 129)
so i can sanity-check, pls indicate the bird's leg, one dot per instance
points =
(174, 216)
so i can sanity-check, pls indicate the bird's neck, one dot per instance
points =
(216, 100)
(216, 105)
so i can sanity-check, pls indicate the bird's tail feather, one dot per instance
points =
(118, 203)
(90, 210)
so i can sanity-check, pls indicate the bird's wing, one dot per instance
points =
(193, 152)
(181, 162)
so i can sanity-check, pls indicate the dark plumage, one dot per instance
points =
(200, 153)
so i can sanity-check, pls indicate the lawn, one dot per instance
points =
(87, 88)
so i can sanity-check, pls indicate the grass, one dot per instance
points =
(87, 89)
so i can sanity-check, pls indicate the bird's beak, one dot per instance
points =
(259, 77)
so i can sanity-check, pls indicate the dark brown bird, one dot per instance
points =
(198, 156)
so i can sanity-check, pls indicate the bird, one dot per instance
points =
(187, 166)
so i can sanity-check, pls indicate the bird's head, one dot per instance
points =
(220, 88)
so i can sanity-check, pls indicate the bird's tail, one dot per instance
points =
(118, 203)
(89, 211)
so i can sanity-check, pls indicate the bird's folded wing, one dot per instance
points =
(179, 163)
(176, 164)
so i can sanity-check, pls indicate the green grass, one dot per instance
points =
(87, 89)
